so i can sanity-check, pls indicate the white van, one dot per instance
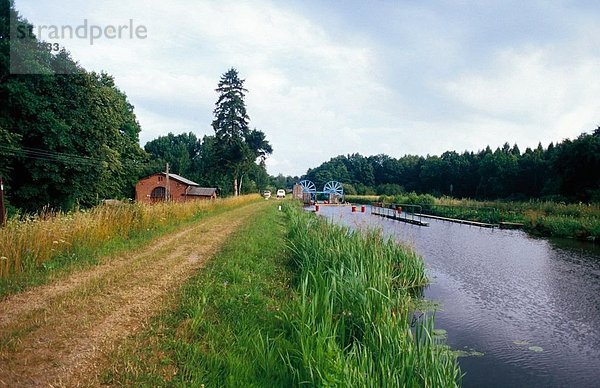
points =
(267, 194)
(280, 193)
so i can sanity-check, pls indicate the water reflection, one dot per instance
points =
(531, 305)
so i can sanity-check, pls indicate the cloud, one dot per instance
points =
(327, 79)
(531, 89)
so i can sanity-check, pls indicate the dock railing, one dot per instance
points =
(399, 211)
(472, 215)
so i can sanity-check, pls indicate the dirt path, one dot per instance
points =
(61, 334)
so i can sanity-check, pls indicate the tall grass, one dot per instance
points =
(351, 324)
(361, 199)
(29, 242)
(409, 198)
(517, 209)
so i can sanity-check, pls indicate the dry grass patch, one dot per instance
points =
(62, 333)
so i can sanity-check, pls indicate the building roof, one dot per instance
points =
(180, 179)
(202, 191)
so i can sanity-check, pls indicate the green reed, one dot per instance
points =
(351, 323)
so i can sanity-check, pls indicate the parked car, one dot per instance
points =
(280, 193)
(267, 194)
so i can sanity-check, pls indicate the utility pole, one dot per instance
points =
(167, 185)
(2, 210)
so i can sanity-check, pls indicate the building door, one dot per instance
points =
(158, 194)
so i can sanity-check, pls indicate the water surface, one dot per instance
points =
(530, 305)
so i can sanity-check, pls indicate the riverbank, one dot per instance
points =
(503, 295)
(352, 325)
(542, 218)
(293, 300)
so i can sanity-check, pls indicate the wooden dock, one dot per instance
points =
(416, 218)
(392, 214)
(459, 221)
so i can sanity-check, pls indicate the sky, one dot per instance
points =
(339, 77)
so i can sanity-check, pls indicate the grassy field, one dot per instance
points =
(333, 308)
(34, 248)
(544, 218)
(60, 334)
(222, 321)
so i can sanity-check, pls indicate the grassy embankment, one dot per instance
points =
(35, 248)
(331, 308)
(544, 218)
(362, 199)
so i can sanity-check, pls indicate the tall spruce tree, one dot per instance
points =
(237, 147)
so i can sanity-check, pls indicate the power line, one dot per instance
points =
(47, 153)
(37, 151)
(55, 156)
(47, 157)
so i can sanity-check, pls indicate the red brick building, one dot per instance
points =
(154, 188)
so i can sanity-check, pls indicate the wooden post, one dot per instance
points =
(2, 210)
(167, 185)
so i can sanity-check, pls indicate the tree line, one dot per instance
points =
(566, 171)
(69, 137)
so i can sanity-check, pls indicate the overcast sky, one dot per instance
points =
(338, 77)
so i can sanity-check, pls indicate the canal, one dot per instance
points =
(529, 307)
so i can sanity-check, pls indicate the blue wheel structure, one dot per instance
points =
(308, 186)
(334, 187)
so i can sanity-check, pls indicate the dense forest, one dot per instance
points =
(569, 170)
